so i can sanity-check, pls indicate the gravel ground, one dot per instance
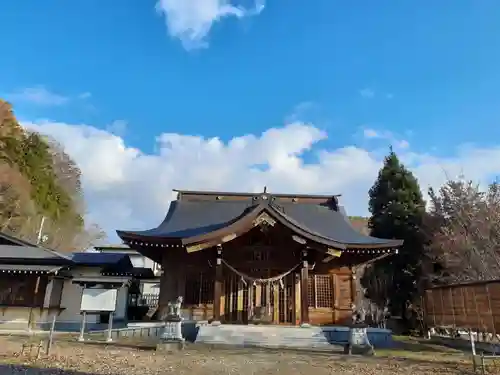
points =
(71, 358)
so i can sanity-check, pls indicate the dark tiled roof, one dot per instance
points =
(101, 259)
(29, 268)
(28, 252)
(112, 281)
(138, 272)
(16, 250)
(122, 249)
(7, 239)
(189, 219)
(325, 222)
(113, 248)
(193, 218)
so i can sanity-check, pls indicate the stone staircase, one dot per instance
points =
(330, 338)
(266, 336)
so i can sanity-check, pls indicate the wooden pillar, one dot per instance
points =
(250, 305)
(298, 307)
(181, 279)
(304, 300)
(276, 303)
(239, 301)
(231, 298)
(258, 295)
(335, 288)
(168, 285)
(268, 298)
(218, 284)
(223, 300)
(353, 287)
(293, 297)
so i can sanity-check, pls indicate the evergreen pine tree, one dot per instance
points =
(398, 210)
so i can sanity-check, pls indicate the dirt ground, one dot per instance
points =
(72, 358)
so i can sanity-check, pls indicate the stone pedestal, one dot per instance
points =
(358, 341)
(171, 337)
(169, 346)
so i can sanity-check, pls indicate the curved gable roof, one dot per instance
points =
(195, 221)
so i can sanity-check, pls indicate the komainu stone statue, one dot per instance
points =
(358, 336)
(358, 315)
(171, 337)
(174, 309)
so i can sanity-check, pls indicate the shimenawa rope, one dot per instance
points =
(255, 280)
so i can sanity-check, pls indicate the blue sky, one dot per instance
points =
(368, 73)
(439, 60)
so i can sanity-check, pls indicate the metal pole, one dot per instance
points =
(472, 344)
(82, 328)
(40, 231)
(30, 317)
(110, 327)
(51, 334)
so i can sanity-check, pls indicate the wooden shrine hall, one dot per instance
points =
(259, 258)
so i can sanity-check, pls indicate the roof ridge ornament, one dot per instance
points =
(264, 220)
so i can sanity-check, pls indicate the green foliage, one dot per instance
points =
(357, 218)
(398, 211)
(47, 180)
(31, 155)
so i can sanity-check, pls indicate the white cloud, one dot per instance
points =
(402, 144)
(192, 20)
(396, 142)
(38, 95)
(42, 96)
(370, 133)
(129, 189)
(367, 93)
(85, 95)
(117, 127)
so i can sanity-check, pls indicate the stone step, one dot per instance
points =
(263, 336)
(259, 335)
(292, 337)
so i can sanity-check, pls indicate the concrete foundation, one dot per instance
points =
(314, 337)
(167, 346)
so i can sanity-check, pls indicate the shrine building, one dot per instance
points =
(247, 258)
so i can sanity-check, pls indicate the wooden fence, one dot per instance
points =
(473, 306)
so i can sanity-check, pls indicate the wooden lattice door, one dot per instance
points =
(286, 308)
(246, 302)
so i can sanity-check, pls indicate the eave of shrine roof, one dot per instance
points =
(199, 219)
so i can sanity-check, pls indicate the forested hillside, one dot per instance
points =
(360, 223)
(39, 180)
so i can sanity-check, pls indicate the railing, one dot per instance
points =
(150, 300)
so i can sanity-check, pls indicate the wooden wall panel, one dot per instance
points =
(469, 306)
(199, 313)
(320, 316)
(342, 299)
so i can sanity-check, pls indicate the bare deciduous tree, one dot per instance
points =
(375, 284)
(16, 206)
(465, 223)
(39, 181)
(67, 172)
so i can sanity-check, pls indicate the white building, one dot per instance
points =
(149, 288)
(37, 284)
